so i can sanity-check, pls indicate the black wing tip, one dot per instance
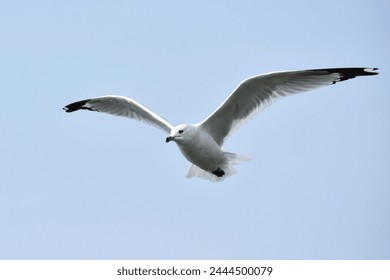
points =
(76, 106)
(349, 73)
(353, 71)
(368, 71)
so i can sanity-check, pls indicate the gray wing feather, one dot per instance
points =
(121, 106)
(255, 93)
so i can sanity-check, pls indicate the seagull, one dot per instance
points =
(201, 143)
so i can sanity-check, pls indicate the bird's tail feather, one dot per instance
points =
(232, 159)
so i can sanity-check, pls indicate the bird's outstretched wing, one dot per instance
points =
(255, 93)
(121, 106)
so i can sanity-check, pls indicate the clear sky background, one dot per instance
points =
(94, 186)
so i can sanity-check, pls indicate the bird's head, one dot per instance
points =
(180, 133)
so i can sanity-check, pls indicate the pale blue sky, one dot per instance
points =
(93, 186)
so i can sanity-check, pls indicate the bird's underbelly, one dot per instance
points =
(208, 157)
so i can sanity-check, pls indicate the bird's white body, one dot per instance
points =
(201, 149)
(201, 144)
(205, 154)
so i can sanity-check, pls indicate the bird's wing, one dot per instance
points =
(121, 106)
(255, 93)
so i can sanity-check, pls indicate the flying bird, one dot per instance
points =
(201, 143)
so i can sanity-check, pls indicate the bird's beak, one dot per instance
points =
(169, 138)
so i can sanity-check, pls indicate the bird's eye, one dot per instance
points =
(181, 131)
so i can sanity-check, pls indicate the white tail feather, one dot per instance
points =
(232, 159)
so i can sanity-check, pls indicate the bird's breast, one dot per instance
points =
(204, 152)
